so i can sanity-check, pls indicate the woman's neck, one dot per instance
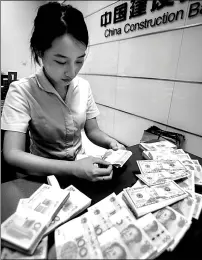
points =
(62, 91)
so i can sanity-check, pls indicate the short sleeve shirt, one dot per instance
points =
(54, 124)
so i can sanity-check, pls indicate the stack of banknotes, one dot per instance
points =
(116, 158)
(112, 230)
(24, 233)
(142, 221)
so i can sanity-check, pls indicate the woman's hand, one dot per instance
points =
(114, 145)
(89, 169)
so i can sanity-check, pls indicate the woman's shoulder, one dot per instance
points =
(24, 83)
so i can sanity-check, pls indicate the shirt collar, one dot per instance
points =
(45, 84)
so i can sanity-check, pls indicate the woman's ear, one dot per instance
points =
(39, 53)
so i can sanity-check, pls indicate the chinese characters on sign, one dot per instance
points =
(137, 8)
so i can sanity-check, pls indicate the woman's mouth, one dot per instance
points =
(66, 80)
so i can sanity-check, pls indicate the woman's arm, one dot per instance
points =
(98, 137)
(15, 155)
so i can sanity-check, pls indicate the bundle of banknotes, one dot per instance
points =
(24, 233)
(142, 221)
(112, 230)
(116, 158)
(157, 146)
(167, 162)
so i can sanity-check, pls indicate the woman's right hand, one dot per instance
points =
(89, 169)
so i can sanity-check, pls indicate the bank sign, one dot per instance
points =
(127, 14)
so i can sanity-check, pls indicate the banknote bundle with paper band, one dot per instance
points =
(24, 229)
(117, 158)
(146, 199)
(110, 229)
(162, 153)
(156, 146)
(174, 222)
(76, 240)
(155, 172)
(168, 154)
(76, 203)
(102, 233)
(39, 253)
(158, 234)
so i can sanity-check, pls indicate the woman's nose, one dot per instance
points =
(70, 71)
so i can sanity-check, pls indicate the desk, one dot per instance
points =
(12, 191)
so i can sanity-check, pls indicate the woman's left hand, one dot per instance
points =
(114, 145)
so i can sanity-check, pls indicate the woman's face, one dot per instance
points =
(63, 60)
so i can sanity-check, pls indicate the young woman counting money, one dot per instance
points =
(55, 104)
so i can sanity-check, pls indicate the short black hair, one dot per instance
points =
(53, 20)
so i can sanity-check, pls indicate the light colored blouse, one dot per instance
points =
(54, 124)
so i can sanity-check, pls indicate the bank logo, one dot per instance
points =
(137, 8)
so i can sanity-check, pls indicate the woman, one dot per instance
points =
(55, 104)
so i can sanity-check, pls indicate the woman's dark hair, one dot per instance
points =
(54, 20)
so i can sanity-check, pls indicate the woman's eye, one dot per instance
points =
(61, 63)
(79, 62)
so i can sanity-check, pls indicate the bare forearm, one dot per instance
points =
(39, 166)
(99, 138)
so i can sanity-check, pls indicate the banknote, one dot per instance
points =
(174, 222)
(76, 203)
(188, 183)
(112, 245)
(76, 240)
(47, 200)
(153, 166)
(39, 253)
(52, 180)
(134, 237)
(117, 158)
(156, 146)
(185, 207)
(21, 204)
(23, 230)
(172, 154)
(110, 205)
(193, 165)
(198, 206)
(196, 162)
(120, 197)
(99, 220)
(147, 199)
(158, 234)
(138, 183)
(156, 172)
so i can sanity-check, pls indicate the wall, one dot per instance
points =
(16, 25)
(147, 77)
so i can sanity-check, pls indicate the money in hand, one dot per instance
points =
(117, 158)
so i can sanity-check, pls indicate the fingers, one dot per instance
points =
(100, 161)
(103, 171)
(104, 178)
